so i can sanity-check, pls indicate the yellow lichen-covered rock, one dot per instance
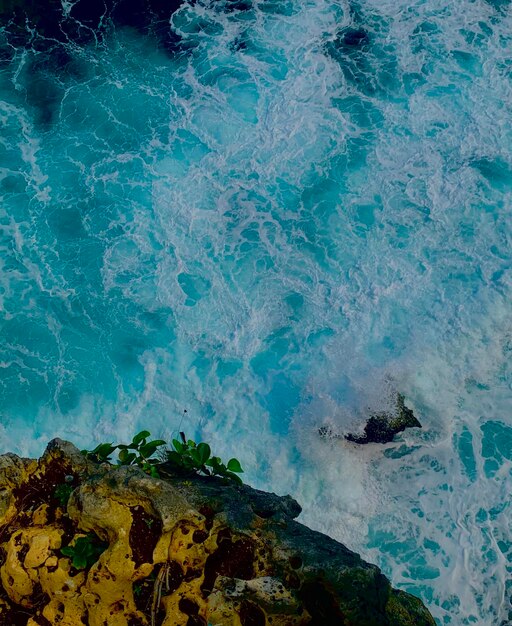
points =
(40, 515)
(14, 471)
(130, 550)
(25, 551)
(15, 579)
(66, 605)
(41, 542)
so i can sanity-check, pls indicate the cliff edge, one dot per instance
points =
(96, 544)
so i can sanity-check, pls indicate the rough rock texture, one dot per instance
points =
(179, 552)
(382, 427)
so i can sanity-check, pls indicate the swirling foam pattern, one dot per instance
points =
(299, 206)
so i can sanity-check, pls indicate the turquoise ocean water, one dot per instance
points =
(272, 223)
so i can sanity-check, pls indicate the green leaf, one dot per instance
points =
(127, 458)
(194, 453)
(190, 463)
(191, 443)
(174, 458)
(234, 477)
(104, 450)
(203, 451)
(234, 466)
(79, 561)
(154, 472)
(150, 469)
(149, 449)
(85, 551)
(217, 467)
(178, 446)
(139, 437)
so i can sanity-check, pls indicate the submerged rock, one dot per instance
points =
(382, 427)
(130, 550)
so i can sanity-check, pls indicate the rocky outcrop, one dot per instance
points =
(382, 427)
(130, 550)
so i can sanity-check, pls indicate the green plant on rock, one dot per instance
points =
(187, 457)
(190, 457)
(85, 551)
(101, 453)
(139, 452)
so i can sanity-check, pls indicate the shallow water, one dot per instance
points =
(271, 222)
